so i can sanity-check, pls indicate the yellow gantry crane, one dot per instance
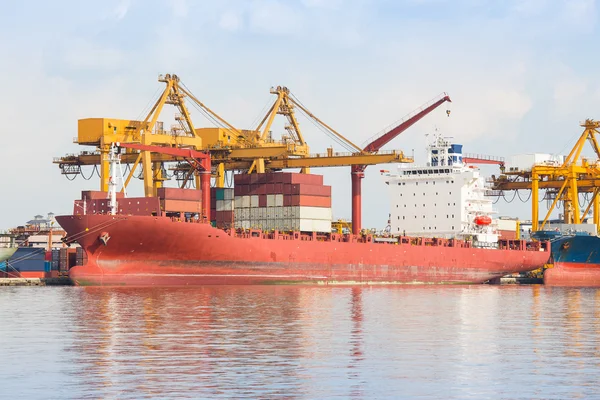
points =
(562, 182)
(252, 151)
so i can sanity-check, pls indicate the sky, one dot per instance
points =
(522, 74)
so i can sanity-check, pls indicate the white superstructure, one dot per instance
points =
(444, 199)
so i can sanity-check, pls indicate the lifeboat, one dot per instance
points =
(483, 220)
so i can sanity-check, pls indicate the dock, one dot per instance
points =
(61, 281)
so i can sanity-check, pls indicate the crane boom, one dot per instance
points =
(409, 120)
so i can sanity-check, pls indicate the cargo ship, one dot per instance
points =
(575, 258)
(275, 228)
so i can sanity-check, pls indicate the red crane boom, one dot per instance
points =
(197, 159)
(376, 144)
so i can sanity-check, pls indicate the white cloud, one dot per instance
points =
(331, 4)
(179, 8)
(275, 18)
(581, 13)
(120, 11)
(230, 21)
(81, 54)
(529, 7)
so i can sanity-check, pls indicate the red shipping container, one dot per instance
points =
(181, 206)
(240, 189)
(258, 179)
(270, 177)
(98, 195)
(228, 216)
(218, 216)
(287, 188)
(139, 206)
(241, 179)
(297, 178)
(310, 201)
(287, 200)
(262, 200)
(311, 190)
(179, 194)
(307, 179)
(278, 188)
(270, 188)
(262, 189)
(32, 274)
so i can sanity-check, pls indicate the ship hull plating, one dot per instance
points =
(576, 262)
(155, 251)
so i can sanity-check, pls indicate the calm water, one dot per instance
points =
(300, 342)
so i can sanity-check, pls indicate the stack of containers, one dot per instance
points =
(285, 201)
(221, 207)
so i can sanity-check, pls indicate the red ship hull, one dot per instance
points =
(156, 251)
(573, 274)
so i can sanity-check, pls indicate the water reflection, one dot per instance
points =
(301, 342)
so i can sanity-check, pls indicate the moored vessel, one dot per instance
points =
(575, 261)
(137, 242)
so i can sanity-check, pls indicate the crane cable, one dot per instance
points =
(323, 129)
(523, 201)
(153, 99)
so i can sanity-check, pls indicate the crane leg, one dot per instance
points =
(205, 184)
(356, 201)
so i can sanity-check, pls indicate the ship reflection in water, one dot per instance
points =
(300, 342)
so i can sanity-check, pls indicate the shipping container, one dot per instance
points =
(139, 206)
(311, 190)
(254, 201)
(262, 200)
(181, 206)
(178, 194)
(316, 213)
(246, 201)
(238, 202)
(228, 194)
(32, 274)
(270, 200)
(279, 200)
(98, 195)
(314, 225)
(297, 178)
(309, 201)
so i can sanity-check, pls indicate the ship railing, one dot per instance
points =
(484, 157)
(349, 154)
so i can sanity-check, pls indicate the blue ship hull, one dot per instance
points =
(576, 262)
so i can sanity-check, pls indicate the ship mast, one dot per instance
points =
(115, 161)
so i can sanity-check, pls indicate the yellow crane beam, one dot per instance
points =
(313, 161)
(576, 175)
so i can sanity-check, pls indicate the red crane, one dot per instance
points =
(198, 160)
(377, 143)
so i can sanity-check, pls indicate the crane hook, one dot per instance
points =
(448, 112)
